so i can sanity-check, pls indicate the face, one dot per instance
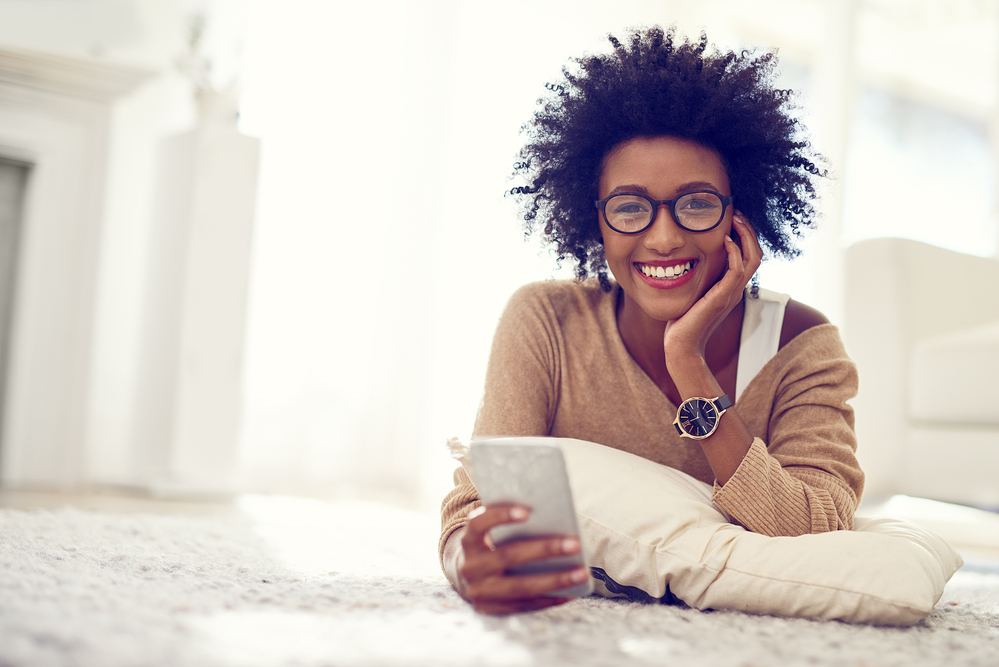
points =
(664, 168)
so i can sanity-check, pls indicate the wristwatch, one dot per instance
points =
(697, 418)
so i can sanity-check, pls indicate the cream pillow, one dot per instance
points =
(655, 529)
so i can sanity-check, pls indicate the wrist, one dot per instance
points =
(452, 562)
(692, 377)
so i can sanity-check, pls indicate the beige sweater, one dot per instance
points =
(558, 367)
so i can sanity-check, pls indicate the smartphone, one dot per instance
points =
(530, 472)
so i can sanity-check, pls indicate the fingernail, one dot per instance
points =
(579, 576)
(570, 545)
(518, 513)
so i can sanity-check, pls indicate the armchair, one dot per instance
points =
(922, 323)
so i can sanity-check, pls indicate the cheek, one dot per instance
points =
(612, 243)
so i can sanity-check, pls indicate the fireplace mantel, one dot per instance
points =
(94, 80)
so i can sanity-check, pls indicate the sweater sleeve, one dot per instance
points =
(520, 395)
(522, 378)
(462, 499)
(805, 477)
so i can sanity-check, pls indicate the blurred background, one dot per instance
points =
(262, 246)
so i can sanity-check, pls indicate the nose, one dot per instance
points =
(663, 235)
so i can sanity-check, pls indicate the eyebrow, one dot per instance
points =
(686, 187)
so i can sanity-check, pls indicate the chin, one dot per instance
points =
(662, 312)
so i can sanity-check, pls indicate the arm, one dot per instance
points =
(685, 341)
(808, 479)
(801, 474)
(519, 399)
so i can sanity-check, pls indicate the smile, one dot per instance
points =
(667, 272)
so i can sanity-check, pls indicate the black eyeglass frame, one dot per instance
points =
(656, 203)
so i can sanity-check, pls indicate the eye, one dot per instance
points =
(699, 203)
(627, 205)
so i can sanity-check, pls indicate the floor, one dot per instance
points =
(283, 581)
(111, 500)
(974, 533)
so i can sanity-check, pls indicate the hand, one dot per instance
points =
(689, 334)
(481, 566)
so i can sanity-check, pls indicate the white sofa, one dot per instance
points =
(922, 324)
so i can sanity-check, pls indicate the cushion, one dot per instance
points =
(946, 382)
(650, 531)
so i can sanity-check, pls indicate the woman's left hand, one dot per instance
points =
(689, 334)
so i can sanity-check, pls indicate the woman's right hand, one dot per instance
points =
(481, 567)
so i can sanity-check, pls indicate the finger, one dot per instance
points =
(495, 563)
(483, 519)
(735, 278)
(735, 258)
(752, 250)
(526, 586)
(741, 218)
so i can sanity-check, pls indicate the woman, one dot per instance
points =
(671, 167)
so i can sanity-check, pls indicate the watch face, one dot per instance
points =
(698, 417)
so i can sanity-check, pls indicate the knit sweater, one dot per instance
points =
(558, 367)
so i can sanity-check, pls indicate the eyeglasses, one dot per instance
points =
(629, 213)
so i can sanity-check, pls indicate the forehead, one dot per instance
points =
(661, 166)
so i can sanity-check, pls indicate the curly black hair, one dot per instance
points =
(662, 85)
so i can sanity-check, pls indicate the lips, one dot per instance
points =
(666, 275)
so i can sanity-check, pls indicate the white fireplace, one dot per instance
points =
(55, 115)
(13, 183)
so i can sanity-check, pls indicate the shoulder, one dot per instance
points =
(562, 312)
(799, 318)
(561, 290)
(559, 297)
(815, 351)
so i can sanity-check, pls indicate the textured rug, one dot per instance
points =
(300, 583)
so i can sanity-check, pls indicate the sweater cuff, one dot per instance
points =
(454, 510)
(754, 493)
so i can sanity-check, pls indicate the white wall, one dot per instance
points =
(371, 314)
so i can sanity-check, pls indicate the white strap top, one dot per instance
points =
(761, 324)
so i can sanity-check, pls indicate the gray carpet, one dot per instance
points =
(301, 583)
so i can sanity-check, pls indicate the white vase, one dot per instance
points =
(217, 107)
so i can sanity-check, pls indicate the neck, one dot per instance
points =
(643, 338)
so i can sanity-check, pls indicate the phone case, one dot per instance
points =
(531, 472)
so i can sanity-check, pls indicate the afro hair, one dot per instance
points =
(660, 85)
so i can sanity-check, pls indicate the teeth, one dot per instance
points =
(665, 272)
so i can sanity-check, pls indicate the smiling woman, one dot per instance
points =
(695, 164)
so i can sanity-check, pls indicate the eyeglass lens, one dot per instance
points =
(696, 211)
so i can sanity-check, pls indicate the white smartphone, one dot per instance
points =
(531, 472)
